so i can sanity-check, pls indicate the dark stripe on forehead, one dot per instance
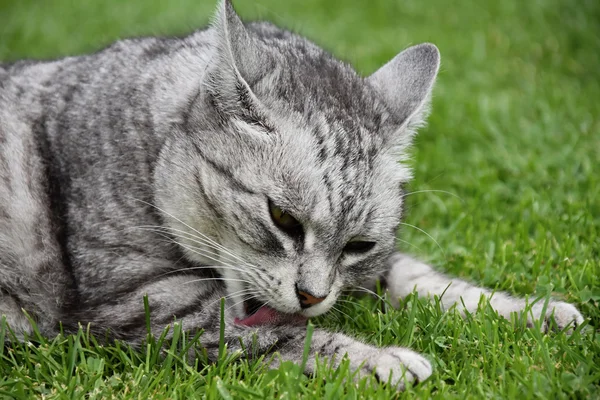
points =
(321, 146)
(329, 187)
(371, 154)
(322, 156)
(341, 145)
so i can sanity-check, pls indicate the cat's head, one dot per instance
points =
(287, 170)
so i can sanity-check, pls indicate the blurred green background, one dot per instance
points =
(514, 135)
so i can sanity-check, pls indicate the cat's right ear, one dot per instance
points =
(405, 84)
(236, 63)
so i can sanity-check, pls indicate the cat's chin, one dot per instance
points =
(266, 315)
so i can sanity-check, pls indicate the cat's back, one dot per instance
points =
(64, 125)
(27, 82)
(54, 103)
(51, 110)
(73, 103)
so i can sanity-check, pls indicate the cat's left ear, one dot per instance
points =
(405, 84)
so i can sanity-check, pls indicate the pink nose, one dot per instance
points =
(307, 299)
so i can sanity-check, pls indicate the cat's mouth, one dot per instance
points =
(258, 313)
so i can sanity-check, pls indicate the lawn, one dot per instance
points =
(507, 181)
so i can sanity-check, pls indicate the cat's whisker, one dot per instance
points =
(364, 289)
(183, 223)
(223, 266)
(215, 279)
(191, 238)
(348, 305)
(432, 191)
(427, 234)
(245, 294)
(408, 243)
(235, 262)
(225, 256)
(233, 294)
(354, 303)
(340, 311)
(243, 300)
(331, 313)
(229, 266)
(207, 242)
(236, 293)
(209, 252)
(202, 253)
(256, 292)
(178, 220)
(190, 269)
(222, 260)
(199, 267)
(209, 267)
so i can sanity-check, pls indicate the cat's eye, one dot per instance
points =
(284, 220)
(358, 246)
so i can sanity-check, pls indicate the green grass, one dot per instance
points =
(514, 137)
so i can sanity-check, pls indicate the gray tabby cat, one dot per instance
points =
(241, 161)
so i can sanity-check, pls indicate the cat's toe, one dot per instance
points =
(564, 315)
(400, 366)
(558, 316)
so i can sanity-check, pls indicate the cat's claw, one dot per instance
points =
(400, 366)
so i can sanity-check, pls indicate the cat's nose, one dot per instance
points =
(307, 299)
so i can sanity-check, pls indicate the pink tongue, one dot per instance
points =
(269, 316)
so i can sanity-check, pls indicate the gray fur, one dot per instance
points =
(145, 168)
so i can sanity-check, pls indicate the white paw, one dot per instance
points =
(563, 314)
(400, 366)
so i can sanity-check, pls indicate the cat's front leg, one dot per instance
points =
(396, 365)
(406, 274)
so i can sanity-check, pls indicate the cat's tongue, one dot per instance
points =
(269, 316)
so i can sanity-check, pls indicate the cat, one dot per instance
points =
(241, 161)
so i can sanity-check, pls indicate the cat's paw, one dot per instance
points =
(400, 366)
(558, 314)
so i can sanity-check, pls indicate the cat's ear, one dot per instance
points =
(236, 61)
(405, 84)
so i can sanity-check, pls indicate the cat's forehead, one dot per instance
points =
(326, 85)
(309, 80)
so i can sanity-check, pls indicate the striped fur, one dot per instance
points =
(146, 169)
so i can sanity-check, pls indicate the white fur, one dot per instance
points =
(407, 274)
